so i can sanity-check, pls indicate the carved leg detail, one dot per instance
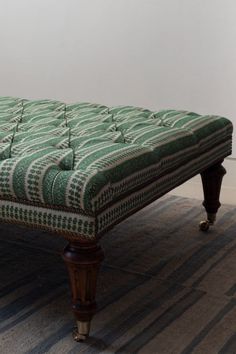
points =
(211, 181)
(83, 263)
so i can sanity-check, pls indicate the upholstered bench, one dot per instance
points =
(79, 169)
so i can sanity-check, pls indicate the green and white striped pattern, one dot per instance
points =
(96, 162)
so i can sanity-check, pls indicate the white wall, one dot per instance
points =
(154, 53)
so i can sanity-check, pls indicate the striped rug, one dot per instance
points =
(165, 287)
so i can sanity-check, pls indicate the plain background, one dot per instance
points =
(152, 53)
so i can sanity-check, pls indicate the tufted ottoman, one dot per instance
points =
(78, 169)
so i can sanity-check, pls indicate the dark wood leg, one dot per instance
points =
(211, 181)
(83, 262)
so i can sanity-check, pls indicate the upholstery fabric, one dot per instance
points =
(79, 168)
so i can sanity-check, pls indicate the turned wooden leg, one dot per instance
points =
(211, 181)
(83, 263)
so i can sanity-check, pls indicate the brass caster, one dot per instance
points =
(81, 332)
(204, 225)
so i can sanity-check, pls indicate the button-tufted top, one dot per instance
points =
(84, 155)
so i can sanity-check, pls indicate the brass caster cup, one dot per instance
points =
(81, 332)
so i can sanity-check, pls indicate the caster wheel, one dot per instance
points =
(204, 225)
(78, 337)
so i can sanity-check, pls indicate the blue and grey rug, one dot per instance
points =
(165, 287)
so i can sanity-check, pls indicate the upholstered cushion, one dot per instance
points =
(82, 159)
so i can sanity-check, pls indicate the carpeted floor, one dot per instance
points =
(165, 287)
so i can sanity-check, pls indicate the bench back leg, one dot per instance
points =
(211, 181)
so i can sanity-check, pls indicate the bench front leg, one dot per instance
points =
(211, 181)
(83, 262)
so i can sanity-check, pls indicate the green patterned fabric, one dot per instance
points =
(79, 168)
